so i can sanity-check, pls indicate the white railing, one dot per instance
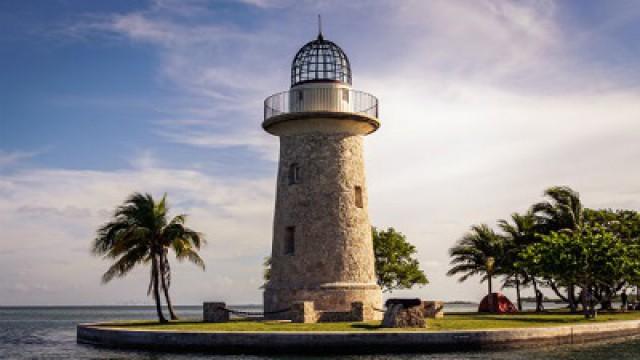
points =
(331, 99)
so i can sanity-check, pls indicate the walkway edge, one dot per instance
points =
(350, 342)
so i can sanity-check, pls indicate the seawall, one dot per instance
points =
(350, 342)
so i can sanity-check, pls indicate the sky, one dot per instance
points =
(483, 105)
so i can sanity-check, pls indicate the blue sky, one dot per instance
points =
(483, 105)
(91, 90)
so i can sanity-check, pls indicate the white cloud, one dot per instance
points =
(219, 68)
(8, 158)
(483, 105)
(435, 169)
(497, 35)
(49, 218)
(267, 3)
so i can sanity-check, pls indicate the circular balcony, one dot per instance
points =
(327, 109)
(322, 99)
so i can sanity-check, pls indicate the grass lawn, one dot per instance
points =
(471, 321)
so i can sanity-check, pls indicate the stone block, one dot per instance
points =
(326, 298)
(357, 311)
(215, 312)
(433, 309)
(303, 312)
(398, 316)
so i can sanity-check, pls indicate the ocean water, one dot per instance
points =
(50, 333)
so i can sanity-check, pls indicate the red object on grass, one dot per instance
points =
(499, 304)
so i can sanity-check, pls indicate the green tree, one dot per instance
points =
(396, 268)
(520, 232)
(185, 244)
(478, 252)
(561, 212)
(625, 224)
(590, 257)
(140, 233)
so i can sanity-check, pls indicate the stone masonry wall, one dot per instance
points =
(333, 262)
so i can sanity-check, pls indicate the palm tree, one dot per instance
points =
(184, 242)
(140, 234)
(520, 233)
(479, 252)
(563, 212)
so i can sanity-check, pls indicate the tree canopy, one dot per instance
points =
(558, 244)
(592, 257)
(395, 264)
(479, 252)
(141, 233)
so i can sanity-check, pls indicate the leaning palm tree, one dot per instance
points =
(563, 212)
(140, 234)
(479, 252)
(520, 233)
(185, 243)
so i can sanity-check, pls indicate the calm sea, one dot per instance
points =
(50, 333)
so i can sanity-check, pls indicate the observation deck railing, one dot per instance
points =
(321, 100)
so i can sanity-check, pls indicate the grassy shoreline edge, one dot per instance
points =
(451, 322)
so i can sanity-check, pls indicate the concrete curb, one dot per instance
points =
(350, 342)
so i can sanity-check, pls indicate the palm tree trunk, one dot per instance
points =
(172, 312)
(156, 291)
(165, 288)
(518, 293)
(490, 285)
(490, 296)
(535, 291)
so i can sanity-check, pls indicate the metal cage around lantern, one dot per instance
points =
(320, 60)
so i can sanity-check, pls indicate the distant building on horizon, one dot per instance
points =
(322, 249)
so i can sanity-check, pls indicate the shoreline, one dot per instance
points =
(351, 342)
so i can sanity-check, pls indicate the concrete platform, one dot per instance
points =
(350, 342)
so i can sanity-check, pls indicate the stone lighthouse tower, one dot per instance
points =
(322, 249)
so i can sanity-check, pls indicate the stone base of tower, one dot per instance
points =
(328, 300)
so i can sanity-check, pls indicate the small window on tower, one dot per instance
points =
(294, 174)
(345, 95)
(300, 95)
(359, 197)
(290, 240)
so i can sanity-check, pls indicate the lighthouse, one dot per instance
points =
(322, 250)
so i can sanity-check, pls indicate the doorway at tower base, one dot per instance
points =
(329, 302)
